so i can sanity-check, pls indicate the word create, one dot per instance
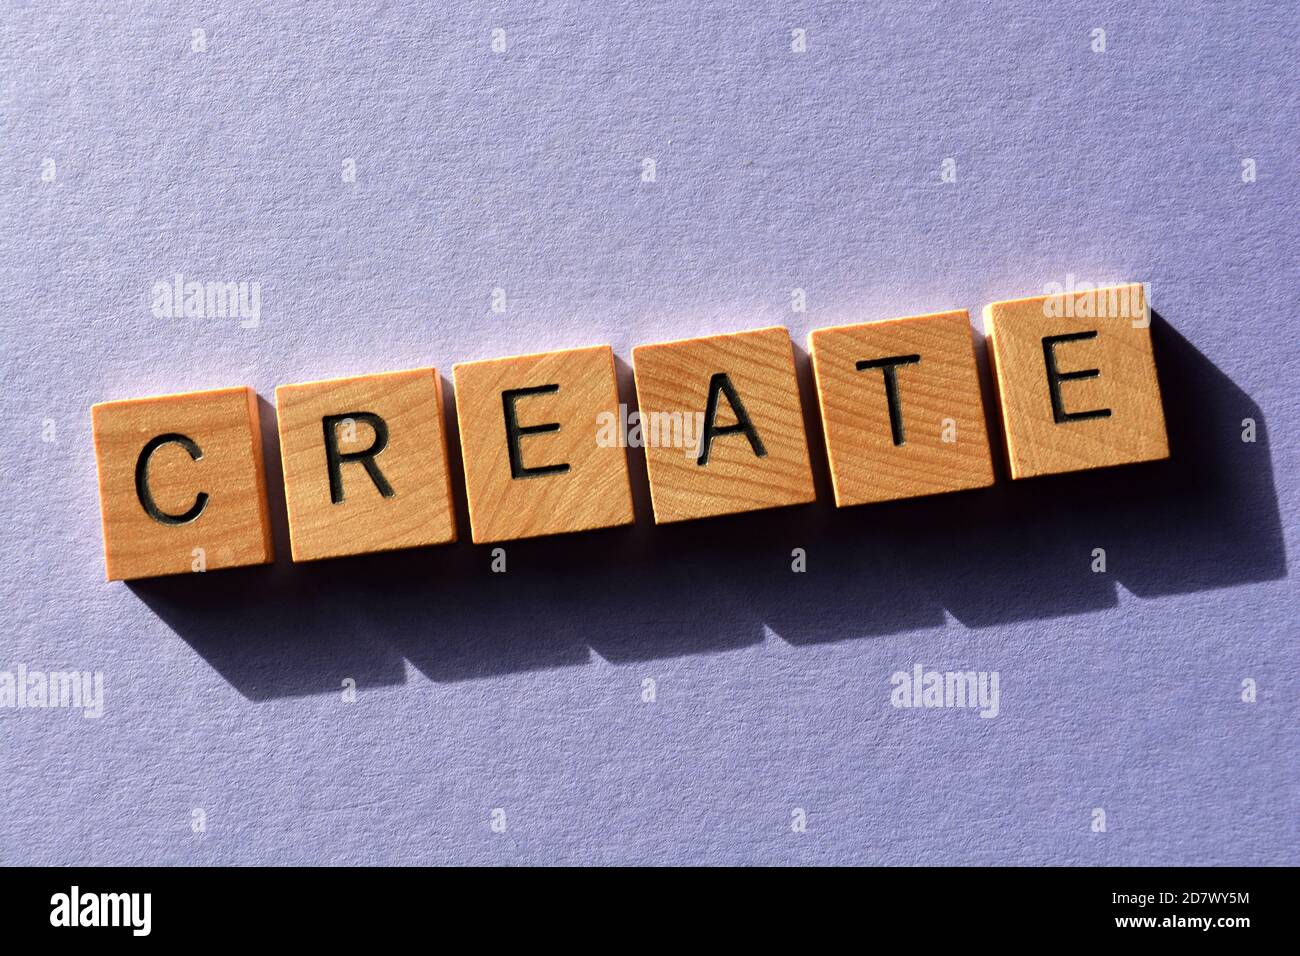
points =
(367, 468)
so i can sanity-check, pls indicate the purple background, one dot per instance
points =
(775, 170)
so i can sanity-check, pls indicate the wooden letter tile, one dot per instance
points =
(901, 408)
(537, 460)
(1076, 380)
(181, 485)
(365, 464)
(722, 425)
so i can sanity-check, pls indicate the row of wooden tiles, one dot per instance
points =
(543, 436)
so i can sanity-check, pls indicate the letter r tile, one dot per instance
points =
(365, 464)
(722, 425)
(1076, 380)
(181, 483)
(537, 459)
(901, 408)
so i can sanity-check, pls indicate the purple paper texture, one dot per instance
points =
(404, 186)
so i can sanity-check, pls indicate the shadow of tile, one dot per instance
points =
(564, 597)
(1208, 517)
(271, 632)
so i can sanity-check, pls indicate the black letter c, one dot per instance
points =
(142, 480)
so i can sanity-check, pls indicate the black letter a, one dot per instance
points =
(721, 382)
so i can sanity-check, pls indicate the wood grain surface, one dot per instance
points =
(1106, 409)
(673, 379)
(409, 505)
(901, 408)
(206, 483)
(559, 478)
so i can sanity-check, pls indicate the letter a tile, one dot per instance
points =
(181, 484)
(1076, 380)
(541, 448)
(901, 408)
(365, 464)
(722, 423)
